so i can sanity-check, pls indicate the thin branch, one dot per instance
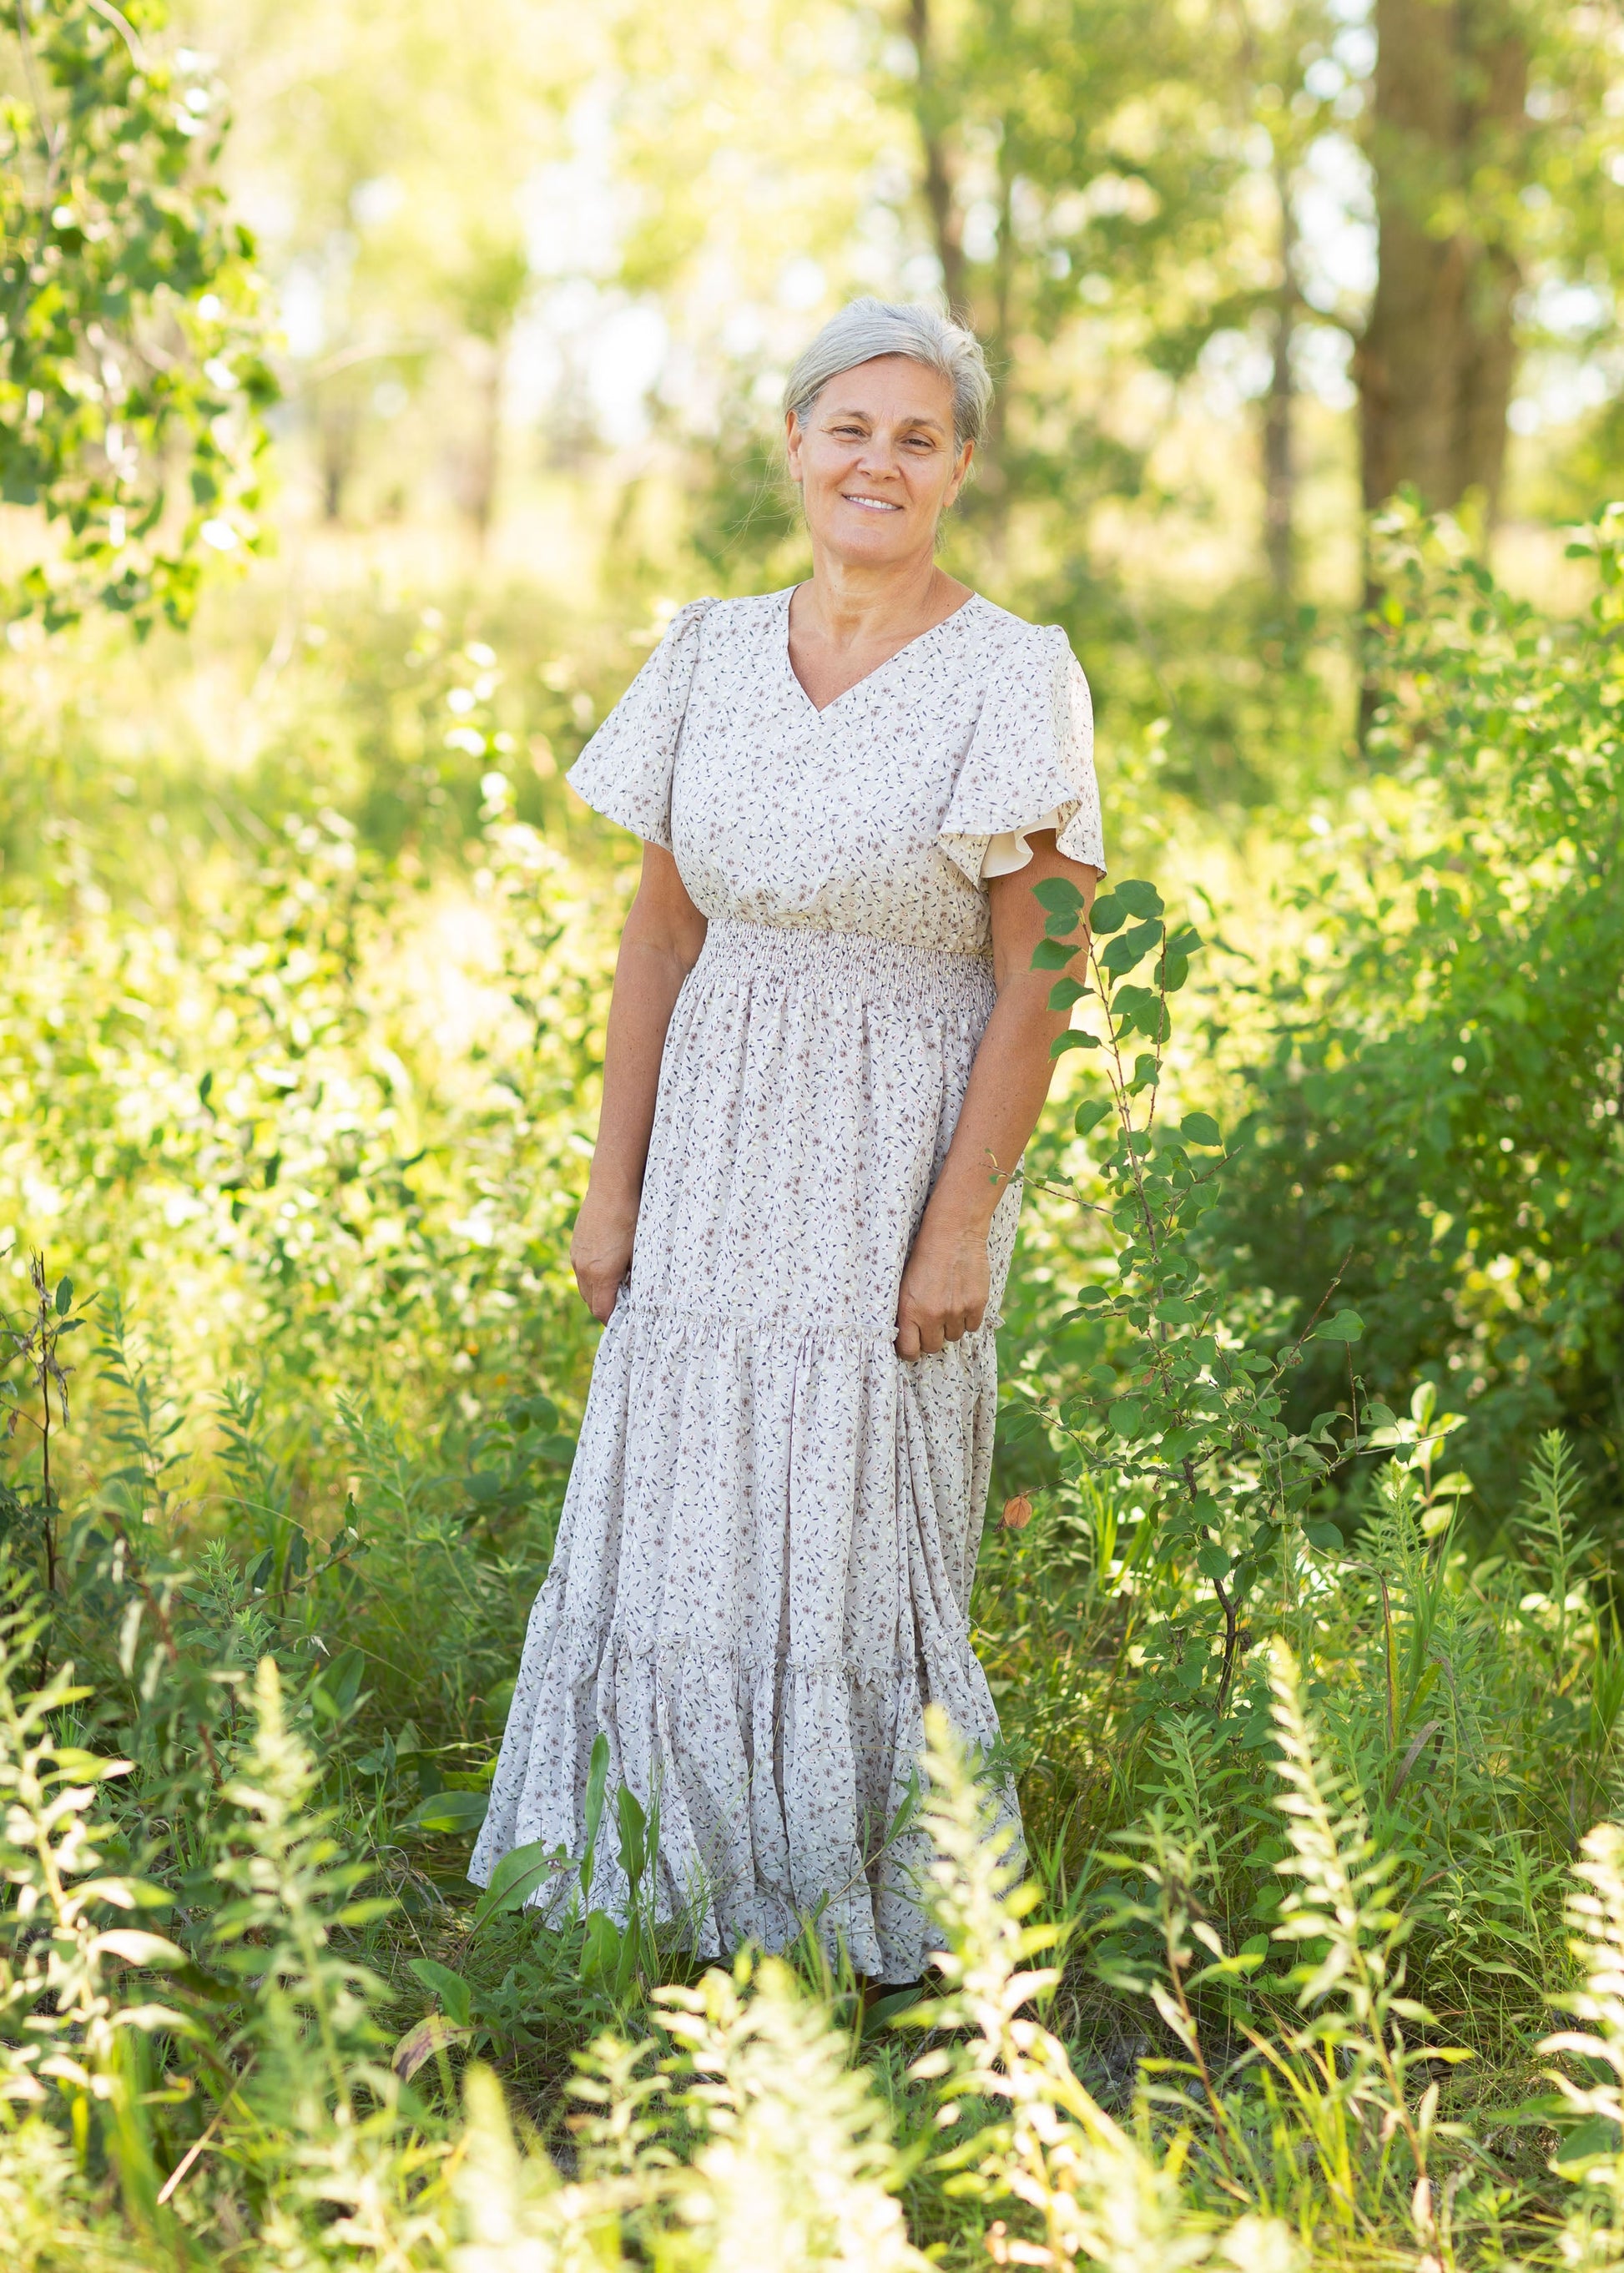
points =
(125, 28)
(51, 136)
(198, 2145)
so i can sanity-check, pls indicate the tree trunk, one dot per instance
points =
(1437, 360)
(1279, 465)
(484, 457)
(945, 221)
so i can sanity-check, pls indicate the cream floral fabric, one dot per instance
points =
(763, 1569)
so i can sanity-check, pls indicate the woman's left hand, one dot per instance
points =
(945, 1287)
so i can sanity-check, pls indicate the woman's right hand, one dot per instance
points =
(600, 1252)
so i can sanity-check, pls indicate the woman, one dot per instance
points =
(826, 1052)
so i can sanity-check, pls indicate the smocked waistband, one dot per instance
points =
(874, 969)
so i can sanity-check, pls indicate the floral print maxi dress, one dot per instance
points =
(763, 1569)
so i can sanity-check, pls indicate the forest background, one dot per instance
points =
(374, 385)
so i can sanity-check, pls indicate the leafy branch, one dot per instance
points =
(1175, 1401)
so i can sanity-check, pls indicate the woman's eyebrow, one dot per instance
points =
(914, 419)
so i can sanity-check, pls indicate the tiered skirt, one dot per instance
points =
(763, 1567)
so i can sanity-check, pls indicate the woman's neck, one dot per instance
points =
(851, 604)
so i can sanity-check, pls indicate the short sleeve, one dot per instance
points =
(625, 770)
(1029, 766)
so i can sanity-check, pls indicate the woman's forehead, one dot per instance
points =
(895, 384)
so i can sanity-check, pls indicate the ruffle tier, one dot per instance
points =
(762, 1578)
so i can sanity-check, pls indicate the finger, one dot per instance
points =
(907, 1339)
(930, 1336)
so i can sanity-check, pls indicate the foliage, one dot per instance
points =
(307, 1758)
(129, 331)
(227, 2086)
(1178, 1402)
(304, 1145)
(1433, 1091)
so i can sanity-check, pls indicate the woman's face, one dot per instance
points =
(876, 461)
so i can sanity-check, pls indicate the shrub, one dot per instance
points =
(1434, 1082)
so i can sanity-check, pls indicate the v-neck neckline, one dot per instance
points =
(906, 647)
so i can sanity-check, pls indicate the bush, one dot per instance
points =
(1434, 1075)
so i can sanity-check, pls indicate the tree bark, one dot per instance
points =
(1436, 363)
(1279, 464)
(945, 221)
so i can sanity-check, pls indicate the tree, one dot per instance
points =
(1437, 356)
(131, 378)
(1073, 167)
(1277, 51)
(1486, 130)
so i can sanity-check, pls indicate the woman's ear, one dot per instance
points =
(792, 444)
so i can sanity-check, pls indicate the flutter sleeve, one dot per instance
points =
(1029, 766)
(625, 770)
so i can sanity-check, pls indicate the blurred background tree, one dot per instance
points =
(130, 379)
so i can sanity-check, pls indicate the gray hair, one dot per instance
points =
(867, 328)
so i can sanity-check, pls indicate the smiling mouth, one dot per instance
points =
(869, 504)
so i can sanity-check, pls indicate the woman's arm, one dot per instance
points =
(946, 1286)
(659, 946)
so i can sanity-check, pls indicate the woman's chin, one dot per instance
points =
(870, 543)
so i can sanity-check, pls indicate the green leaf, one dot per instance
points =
(600, 1954)
(1212, 1561)
(1058, 895)
(336, 1689)
(65, 1297)
(1325, 1537)
(596, 1789)
(1598, 2136)
(1132, 947)
(446, 1813)
(455, 1995)
(1346, 1327)
(1200, 1128)
(1106, 915)
(1150, 1019)
(515, 1878)
(1139, 898)
(533, 1413)
(137, 1947)
(1126, 1416)
(633, 1830)
(483, 1487)
(1089, 1117)
(1073, 1038)
(1067, 992)
(1051, 955)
